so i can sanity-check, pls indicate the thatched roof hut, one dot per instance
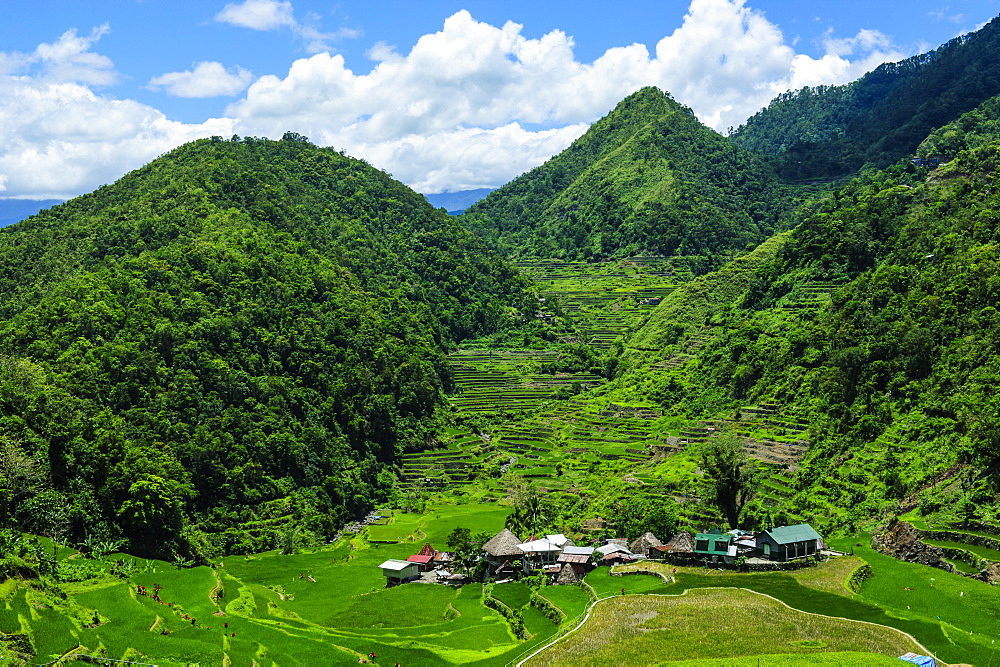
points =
(567, 575)
(682, 543)
(503, 544)
(642, 544)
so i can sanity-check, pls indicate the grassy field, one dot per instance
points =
(716, 624)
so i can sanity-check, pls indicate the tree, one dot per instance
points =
(636, 516)
(733, 476)
(465, 546)
(533, 512)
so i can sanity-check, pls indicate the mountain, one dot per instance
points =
(647, 178)
(15, 210)
(232, 343)
(457, 202)
(874, 322)
(833, 131)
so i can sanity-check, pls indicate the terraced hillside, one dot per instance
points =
(558, 431)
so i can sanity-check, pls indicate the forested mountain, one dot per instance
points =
(231, 343)
(833, 131)
(897, 371)
(647, 178)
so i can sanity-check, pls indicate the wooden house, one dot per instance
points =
(579, 559)
(399, 571)
(789, 542)
(542, 553)
(424, 563)
(502, 552)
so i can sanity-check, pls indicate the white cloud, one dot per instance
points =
(258, 14)
(207, 79)
(67, 59)
(272, 15)
(471, 105)
(59, 139)
(473, 79)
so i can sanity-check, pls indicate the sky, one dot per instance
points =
(445, 95)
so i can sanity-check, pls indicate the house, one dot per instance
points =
(398, 571)
(424, 563)
(438, 558)
(542, 553)
(715, 546)
(643, 544)
(680, 545)
(577, 559)
(613, 552)
(789, 542)
(501, 552)
(745, 541)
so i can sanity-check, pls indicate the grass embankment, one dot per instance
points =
(716, 624)
(952, 616)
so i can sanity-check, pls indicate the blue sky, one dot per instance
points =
(445, 95)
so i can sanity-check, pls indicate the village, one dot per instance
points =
(506, 557)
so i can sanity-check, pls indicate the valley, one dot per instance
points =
(262, 404)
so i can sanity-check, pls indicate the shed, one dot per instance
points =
(789, 542)
(398, 571)
(924, 660)
(613, 546)
(579, 559)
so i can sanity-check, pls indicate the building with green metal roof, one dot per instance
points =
(789, 542)
(715, 546)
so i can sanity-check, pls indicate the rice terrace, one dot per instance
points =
(620, 389)
(334, 605)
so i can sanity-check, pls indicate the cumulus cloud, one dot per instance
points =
(726, 61)
(67, 59)
(272, 15)
(58, 138)
(258, 14)
(470, 105)
(207, 79)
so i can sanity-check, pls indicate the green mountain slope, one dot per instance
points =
(833, 131)
(234, 341)
(647, 178)
(874, 321)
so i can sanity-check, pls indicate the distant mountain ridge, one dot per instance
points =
(457, 202)
(15, 210)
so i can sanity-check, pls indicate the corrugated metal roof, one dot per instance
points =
(396, 565)
(579, 551)
(418, 558)
(613, 547)
(542, 545)
(788, 534)
(573, 558)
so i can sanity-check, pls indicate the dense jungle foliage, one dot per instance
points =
(834, 131)
(231, 344)
(648, 178)
(897, 372)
